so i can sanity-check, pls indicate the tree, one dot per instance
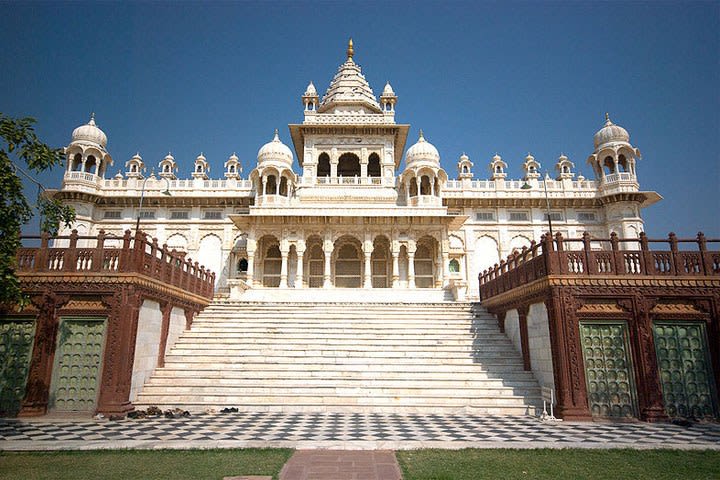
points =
(23, 154)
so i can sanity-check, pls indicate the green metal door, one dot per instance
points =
(77, 364)
(608, 371)
(685, 370)
(16, 342)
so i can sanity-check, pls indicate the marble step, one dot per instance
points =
(242, 379)
(458, 373)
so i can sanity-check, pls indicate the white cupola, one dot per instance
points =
(310, 98)
(464, 167)
(275, 153)
(613, 159)
(531, 168)
(388, 99)
(497, 167)
(564, 168)
(87, 151)
(422, 153)
(233, 168)
(90, 134)
(168, 167)
(201, 167)
(135, 167)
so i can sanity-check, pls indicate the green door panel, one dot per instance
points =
(16, 342)
(77, 364)
(610, 385)
(685, 370)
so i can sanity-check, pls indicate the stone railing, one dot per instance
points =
(559, 256)
(112, 255)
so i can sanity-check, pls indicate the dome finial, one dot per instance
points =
(607, 119)
(277, 136)
(422, 138)
(350, 51)
(92, 119)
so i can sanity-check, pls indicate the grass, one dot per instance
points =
(142, 464)
(576, 464)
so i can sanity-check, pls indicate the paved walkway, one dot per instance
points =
(347, 432)
(342, 465)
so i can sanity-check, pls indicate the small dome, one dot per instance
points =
(388, 91)
(275, 150)
(201, 158)
(169, 158)
(136, 157)
(464, 158)
(310, 90)
(496, 158)
(233, 158)
(422, 150)
(90, 133)
(529, 158)
(610, 133)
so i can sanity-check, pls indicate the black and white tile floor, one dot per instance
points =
(345, 431)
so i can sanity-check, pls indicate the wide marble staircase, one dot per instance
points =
(441, 357)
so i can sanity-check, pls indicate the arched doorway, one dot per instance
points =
(425, 263)
(373, 168)
(271, 267)
(348, 264)
(323, 169)
(348, 165)
(380, 262)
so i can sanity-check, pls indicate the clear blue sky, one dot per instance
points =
(477, 77)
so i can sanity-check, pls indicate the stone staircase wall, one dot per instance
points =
(442, 357)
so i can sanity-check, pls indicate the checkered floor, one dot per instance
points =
(328, 428)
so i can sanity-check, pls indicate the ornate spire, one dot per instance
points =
(92, 119)
(608, 122)
(350, 51)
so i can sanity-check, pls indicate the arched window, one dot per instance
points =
(623, 164)
(464, 169)
(609, 165)
(454, 266)
(166, 168)
(133, 168)
(76, 163)
(565, 169)
(424, 269)
(373, 169)
(271, 185)
(232, 169)
(348, 165)
(323, 169)
(283, 186)
(90, 163)
(348, 266)
(242, 265)
(498, 169)
(425, 185)
(199, 169)
(413, 187)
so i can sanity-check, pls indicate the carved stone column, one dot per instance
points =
(299, 269)
(166, 309)
(367, 250)
(123, 313)
(284, 268)
(395, 269)
(652, 408)
(327, 283)
(411, 268)
(524, 343)
(37, 391)
(567, 359)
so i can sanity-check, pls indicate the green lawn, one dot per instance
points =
(473, 464)
(142, 464)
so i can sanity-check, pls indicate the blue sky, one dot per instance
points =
(477, 77)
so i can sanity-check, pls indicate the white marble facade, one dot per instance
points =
(360, 214)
